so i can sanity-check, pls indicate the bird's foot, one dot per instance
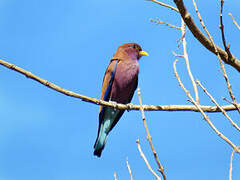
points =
(130, 106)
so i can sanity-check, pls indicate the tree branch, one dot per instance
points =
(146, 161)
(164, 5)
(149, 138)
(235, 22)
(158, 21)
(115, 175)
(185, 55)
(215, 102)
(213, 109)
(233, 61)
(219, 58)
(202, 112)
(227, 48)
(129, 169)
(230, 165)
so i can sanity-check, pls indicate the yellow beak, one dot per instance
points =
(143, 53)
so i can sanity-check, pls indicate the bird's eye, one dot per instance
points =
(134, 46)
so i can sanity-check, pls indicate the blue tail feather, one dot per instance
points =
(102, 137)
(105, 127)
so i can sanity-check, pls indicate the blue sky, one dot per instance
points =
(47, 135)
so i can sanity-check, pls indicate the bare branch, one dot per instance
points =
(230, 166)
(184, 42)
(165, 5)
(177, 55)
(234, 62)
(235, 22)
(202, 112)
(227, 48)
(235, 104)
(129, 169)
(146, 161)
(225, 99)
(215, 102)
(212, 109)
(149, 138)
(158, 21)
(115, 175)
(219, 58)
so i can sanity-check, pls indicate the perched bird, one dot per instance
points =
(119, 83)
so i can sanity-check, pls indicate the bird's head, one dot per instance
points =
(130, 51)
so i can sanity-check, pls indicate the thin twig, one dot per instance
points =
(165, 5)
(227, 48)
(115, 175)
(218, 55)
(225, 99)
(215, 102)
(235, 22)
(129, 169)
(149, 138)
(230, 166)
(146, 161)
(177, 55)
(234, 62)
(202, 112)
(158, 21)
(184, 42)
(230, 102)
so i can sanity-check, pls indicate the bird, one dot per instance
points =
(119, 83)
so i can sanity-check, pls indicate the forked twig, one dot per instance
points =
(230, 102)
(219, 58)
(227, 48)
(177, 55)
(146, 161)
(202, 112)
(215, 102)
(234, 62)
(149, 138)
(158, 21)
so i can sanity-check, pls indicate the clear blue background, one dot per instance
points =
(47, 135)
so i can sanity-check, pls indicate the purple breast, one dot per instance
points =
(125, 81)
